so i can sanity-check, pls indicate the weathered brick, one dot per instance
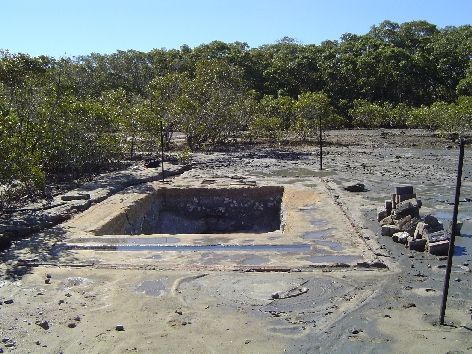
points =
(418, 234)
(431, 220)
(417, 245)
(400, 237)
(389, 230)
(402, 221)
(407, 207)
(386, 221)
(382, 213)
(436, 236)
(440, 248)
(403, 197)
(410, 226)
(402, 190)
(388, 206)
(458, 230)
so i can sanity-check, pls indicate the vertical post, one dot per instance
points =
(321, 143)
(453, 231)
(162, 151)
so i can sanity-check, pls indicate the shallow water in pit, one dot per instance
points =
(130, 240)
(333, 246)
(333, 259)
(295, 248)
(320, 234)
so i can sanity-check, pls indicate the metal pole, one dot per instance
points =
(321, 144)
(162, 151)
(453, 231)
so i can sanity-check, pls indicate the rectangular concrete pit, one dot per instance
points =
(201, 211)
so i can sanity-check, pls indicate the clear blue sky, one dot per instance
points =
(74, 27)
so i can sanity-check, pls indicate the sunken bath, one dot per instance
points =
(220, 225)
(201, 211)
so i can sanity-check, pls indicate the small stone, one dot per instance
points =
(10, 344)
(61, 302)
(119, 327)
(275, 295)
(356, 331)
(72, 325)
(68, 295)
(37, 342)
(355, 187)
(47, 281)
(43, 324)
(77, 318)
(9, 301)
(247, 341)
(178, 312)
(48, 275)
(458, 280)
(409, 305)
(5, 339)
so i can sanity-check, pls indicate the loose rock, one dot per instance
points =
(43, 324)
(355, 187)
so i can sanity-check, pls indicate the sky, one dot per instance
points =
(76, 27)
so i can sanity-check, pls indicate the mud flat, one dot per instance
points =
(135, 273)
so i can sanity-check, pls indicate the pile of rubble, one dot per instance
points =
(400, 219)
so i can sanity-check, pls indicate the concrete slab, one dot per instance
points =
(313, 231)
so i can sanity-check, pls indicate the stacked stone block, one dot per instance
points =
(400, 219)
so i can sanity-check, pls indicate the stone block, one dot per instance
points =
(403, 197)
(402, 221)
(400, 237)
(417, 245)
(458, 230)
(418, 234)
(440, 248)
(388, 206)
(402, 190)
(437, 236)
(382, 213)
(407, 207)
(431, 220)
(389, 230)
(386, 221)
(410, 226)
